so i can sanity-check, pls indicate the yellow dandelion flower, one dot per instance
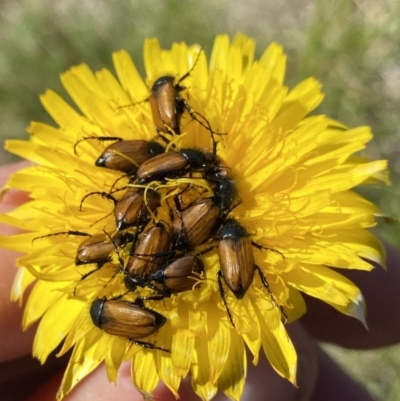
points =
(292, 174)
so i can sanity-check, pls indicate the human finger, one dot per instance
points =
(334, 384)
(95, 387)
(28, 371)
(15, 343)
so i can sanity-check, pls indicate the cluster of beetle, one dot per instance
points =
(162, 255)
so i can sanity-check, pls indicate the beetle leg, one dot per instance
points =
(139, 301)
(179, 197)
(193, 116)
(182, 232)
(222, 293)
(143, 219)
(102, 218)
(148, 345)
(272, 296)
(170, 210)
(163, 138)
(238, 201)
(177, 205)
(98, 267)
(204, 251)
(160, 297)
(135, 236)
(83, 276)
(118, 297)
(161, 294)
(115, 182)
(119, 190)
(155, 255)
(120, 260)
(151, 298)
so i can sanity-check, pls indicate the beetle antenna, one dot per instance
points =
(258, 246)
(69, 232)
(183, 77)
(99, 138)
(131, 104)
(102, 194)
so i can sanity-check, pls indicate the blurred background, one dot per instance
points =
(351, 46)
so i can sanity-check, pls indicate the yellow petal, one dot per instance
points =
(114, 357)
(182, 352)
(232, 379)
(48, 334)
(42, 296)
(167, 372)
(219, 341)
(23, 279)
(144, 371)
(332, 288)
(129, 77)
(201, 371)
(80, 365)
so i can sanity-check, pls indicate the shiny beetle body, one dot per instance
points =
(172, 164)
(200, 220)
(150, 253)
(236, 257)
(126, 319)
(132, 208)
(98, 248)
(166, 105)
(196, 223)
(127, 156)
(180, 275)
